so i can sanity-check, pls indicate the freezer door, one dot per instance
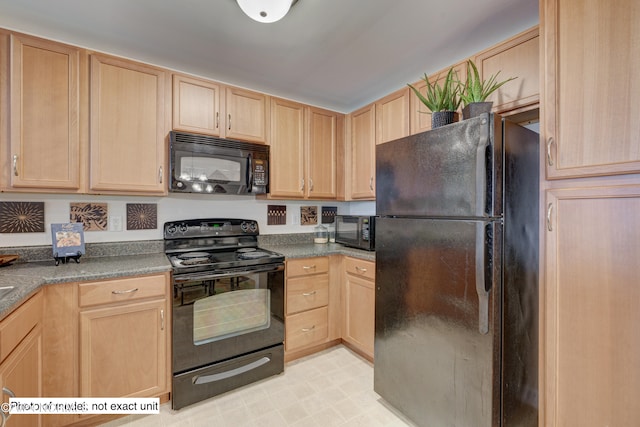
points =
(452, 171)
(437, 320)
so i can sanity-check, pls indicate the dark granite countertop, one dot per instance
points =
(28, 277)
(305, 250)
(129, 259)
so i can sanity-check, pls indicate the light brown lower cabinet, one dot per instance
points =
(590, 352)
(21, 353)
(312, 305)
(121, 345)
(358, 319)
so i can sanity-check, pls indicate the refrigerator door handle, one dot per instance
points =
(482, 231)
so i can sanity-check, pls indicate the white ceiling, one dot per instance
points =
(337, 54)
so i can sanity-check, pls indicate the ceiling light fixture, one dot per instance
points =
(266, 11)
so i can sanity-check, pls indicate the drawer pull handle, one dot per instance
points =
(128, 291)
(308, 267)
(360, 269)
(309, 329)
(308, 294)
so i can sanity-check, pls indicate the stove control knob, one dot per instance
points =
(244, 226)
(253, 226)
(171, 229)
(183, 228)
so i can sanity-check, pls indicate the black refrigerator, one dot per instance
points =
(456, 306)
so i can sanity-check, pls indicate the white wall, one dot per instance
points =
(171, 208)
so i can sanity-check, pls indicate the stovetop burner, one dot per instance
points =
(191, 255)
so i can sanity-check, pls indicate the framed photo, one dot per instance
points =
(68, 239)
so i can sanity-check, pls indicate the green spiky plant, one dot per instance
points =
(445, 97)
(477, 90)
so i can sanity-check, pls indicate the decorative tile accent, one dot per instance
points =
(142, 216)
(308, 215)
(21, 217)
(276, 214)
(93, 216)
(329, 214)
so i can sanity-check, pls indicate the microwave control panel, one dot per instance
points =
(259, 173)
(365, 230)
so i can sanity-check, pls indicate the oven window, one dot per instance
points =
(209, 169)
(237, 307)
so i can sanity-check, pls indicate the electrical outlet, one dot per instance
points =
(115, 223)
(295, 218)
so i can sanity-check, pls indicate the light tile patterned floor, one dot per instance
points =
(330, 388)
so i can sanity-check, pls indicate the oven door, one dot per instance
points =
(217, 316)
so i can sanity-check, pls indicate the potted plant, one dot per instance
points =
(441, 99)
(475, 91)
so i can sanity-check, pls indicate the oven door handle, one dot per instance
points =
(222, 274)
(204, 379)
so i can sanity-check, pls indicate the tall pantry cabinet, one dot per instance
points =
(590, 239)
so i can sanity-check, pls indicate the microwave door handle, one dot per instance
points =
(249, 173)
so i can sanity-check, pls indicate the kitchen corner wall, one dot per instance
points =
(171, 208)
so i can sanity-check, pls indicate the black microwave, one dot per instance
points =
(209, 165)
(356, 231)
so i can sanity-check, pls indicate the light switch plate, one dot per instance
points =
(115, 223)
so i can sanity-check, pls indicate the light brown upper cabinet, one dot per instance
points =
(196, 105)
(321, 160)
(392, 116)
(515, 57)
(363, 153)
(287, 156)
(420, 116)
(44, 151)
(590, 108)
(128, 127)
(246, 115)
(303, 151)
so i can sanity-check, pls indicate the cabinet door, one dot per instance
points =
(127, 126)
(321, 158)
(420, 115)
(45, 116)
(287, 149)
(359, 309)
(516, 57)
(246, 115)
(21, 373)
(118, 360)
(363, 153)
(591, 114)
(590, 352)
(392, 116)
(196, 105)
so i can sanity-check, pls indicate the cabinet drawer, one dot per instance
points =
(118, 290)
(305, 293)
(360, 268)
(307, 266)
(18, 324)
(307, 328)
